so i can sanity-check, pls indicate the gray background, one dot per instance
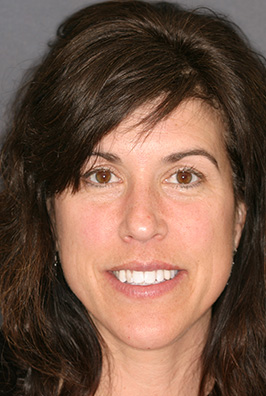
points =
(27, 25)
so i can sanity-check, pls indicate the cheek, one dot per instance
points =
(204, 228)
(205, 242)
(97, 227)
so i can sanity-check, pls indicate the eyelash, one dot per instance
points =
(93, 172)
(190, 170)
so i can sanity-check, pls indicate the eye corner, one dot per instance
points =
(184, 178)
(100, 177)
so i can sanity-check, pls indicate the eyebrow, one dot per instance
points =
(171, 158)
(107, 156)
(175, 157)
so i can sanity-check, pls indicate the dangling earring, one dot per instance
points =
(56, 262)
(234, 253)
(232, 265)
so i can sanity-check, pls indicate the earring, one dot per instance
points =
(56, 262)
(232, 265)
(233, 262)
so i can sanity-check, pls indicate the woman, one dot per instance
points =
(133, 210)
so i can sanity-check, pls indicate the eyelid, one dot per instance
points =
(94, 170)
(190, 169)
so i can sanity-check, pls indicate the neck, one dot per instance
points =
(173, 370)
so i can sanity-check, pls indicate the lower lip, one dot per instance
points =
(151, 291)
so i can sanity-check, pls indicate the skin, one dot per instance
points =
(144, 218)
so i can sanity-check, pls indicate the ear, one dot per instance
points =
(240, 218)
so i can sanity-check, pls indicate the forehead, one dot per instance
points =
(192, 123)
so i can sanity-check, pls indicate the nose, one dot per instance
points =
(142, 217)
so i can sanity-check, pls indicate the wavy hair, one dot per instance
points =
(107, 60)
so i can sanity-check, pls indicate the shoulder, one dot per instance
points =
(8, 370)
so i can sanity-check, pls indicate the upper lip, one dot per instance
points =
(145, 266)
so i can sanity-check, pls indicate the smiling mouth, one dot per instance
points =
(145, 278)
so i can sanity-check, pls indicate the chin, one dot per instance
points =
(143, 335)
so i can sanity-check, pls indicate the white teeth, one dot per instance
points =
(167, 274)
(122, 276)
(160, 275)
(128, 276)
(150, 277)
(138, 277)
(145, 278)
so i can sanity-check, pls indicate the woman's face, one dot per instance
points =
(146, 243)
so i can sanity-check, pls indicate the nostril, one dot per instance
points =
(137, 226)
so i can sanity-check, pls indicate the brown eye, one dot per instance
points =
(184, 177)
(103, 176)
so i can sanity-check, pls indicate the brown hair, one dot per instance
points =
(107, 60)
